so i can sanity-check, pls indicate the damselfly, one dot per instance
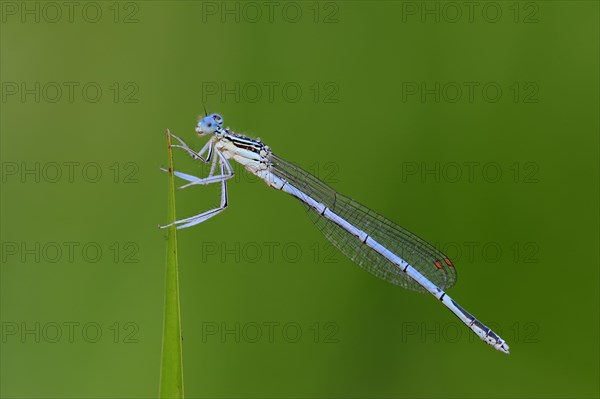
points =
(375, 243)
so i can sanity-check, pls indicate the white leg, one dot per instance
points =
(197, 219)
(196, 155)
(208, 146)
(211, 178)
(212, 169)
(226, 173)
(187, 177)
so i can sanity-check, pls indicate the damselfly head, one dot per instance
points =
(209, 124)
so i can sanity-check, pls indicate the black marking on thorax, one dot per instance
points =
(244, 142)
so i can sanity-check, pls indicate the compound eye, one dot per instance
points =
(207, 126)
(210, 124)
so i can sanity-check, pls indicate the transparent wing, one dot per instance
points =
(423, 256)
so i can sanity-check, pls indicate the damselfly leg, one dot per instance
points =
(226, 172)
(193, 154)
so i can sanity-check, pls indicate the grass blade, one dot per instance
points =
(171, 372)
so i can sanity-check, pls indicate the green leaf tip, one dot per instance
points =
(171, 371)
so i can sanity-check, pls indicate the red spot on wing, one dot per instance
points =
(448, 262)
(438, 264)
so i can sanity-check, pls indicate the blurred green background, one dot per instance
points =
(475, 125)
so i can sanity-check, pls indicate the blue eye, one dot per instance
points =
(217, 118)
(210, 124)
